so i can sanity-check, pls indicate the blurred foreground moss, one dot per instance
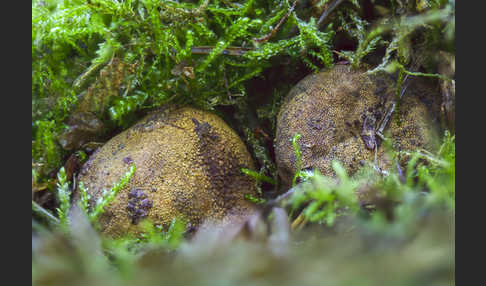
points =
(407, 232)
(342, 256)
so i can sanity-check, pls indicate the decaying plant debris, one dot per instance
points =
(99, 66)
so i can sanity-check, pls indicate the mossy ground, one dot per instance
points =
(118, 60)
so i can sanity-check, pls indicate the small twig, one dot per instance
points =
(274, 30)
(328, 11)
(277, 201)
(299, 222)
(381, 171)
(376, 154)
(78, 82)
(201, 8)
(402, 92)
(231, 51)
(401, 175)
(428, 156)
(392, 109)
(375, 165)
(44, 214)
(280, 198)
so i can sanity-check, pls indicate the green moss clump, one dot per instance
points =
(200, 53)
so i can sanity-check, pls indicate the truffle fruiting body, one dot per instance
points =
(188, 165)
(337, 113)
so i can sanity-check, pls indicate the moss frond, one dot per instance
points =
(109, 195)
(298, 158)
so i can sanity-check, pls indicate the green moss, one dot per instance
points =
(108, 195)
(63, 195)
(258, 176)
(72, 41)
(45, 150)
(428, 183)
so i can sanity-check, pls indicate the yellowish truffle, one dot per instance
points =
(188, 165)
(335, 109)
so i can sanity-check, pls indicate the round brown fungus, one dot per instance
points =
(188, 165)
(338, 113)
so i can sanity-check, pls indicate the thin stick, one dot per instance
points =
(299, 222)
(282, 197)
(274, 30)
(392, 109)
(401, 175)
(44, 214)
(232, 51)
(326, 12)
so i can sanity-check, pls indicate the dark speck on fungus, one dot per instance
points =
(138, 205)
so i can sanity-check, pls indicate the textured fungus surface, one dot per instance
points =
(188, 165)
(335, 111)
